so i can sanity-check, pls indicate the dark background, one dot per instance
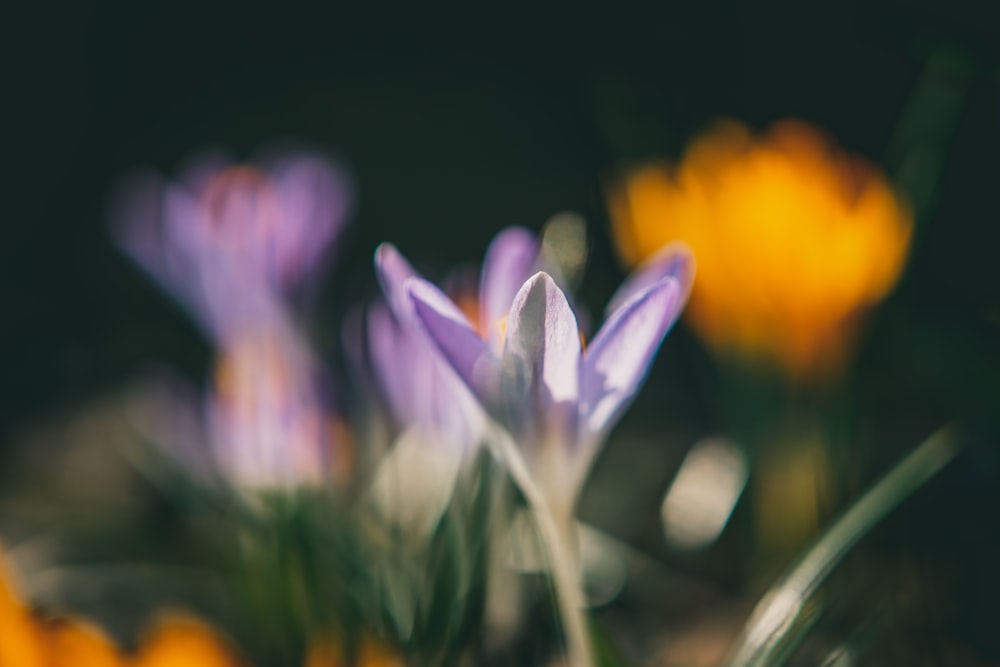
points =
(458, 121)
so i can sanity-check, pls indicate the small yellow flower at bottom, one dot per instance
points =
(76, 643)
(29, 641)
(181, 641)
(173, 641)
(21, 640)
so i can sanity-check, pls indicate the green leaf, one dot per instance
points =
(776, 625)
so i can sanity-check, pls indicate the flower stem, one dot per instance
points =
(566, 583)
(556, 532)
(771, 630)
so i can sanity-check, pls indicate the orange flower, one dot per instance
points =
(21, 640)
(794, 239)
(75, 643)
(174, 641)
(28, 641)
(179, 641)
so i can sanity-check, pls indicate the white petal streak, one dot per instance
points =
(544, 342)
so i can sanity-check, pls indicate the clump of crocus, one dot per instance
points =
(794, 238)
(526, 362)
(522, 356)
(236, 245)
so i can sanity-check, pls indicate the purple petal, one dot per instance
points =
(226, 241)
(266, 412)
(674, 260)
(420, 387)
(391, 354)
(455, 337)
(393, 271)
(509, 261)
(617, 360)
(541, 356)
(315, 199)
(162, 228)
(224, 291)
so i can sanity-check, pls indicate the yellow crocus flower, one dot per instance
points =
(75, 643)
(21, 639)
(180, 641)
(26, 640)
(794, 240)
(175, 640)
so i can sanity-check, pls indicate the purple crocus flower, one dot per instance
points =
(421, 388)
(234, 244)
(441, 423)
(532, 373)
(266, 419)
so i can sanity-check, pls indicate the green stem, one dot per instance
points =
(566, 582)
(765, 638)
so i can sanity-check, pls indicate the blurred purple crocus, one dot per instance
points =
(234, 244)
(267, 422)
(531, 371)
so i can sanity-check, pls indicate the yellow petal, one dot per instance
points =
(794, 240)
(73, 643)
(21, 640)
(180, 641)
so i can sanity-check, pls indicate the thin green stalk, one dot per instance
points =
(765, 638)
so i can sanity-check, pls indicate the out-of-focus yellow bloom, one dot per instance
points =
(180, 641)
(794, 240)
(29, 641)
(73, 643)
(21, 640)
(174, 641)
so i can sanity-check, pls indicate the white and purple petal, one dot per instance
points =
(421, 388)
(674, 260)
(510, 260)
(619, 357)
(541, 360)
(450, 331)
(393, 271)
